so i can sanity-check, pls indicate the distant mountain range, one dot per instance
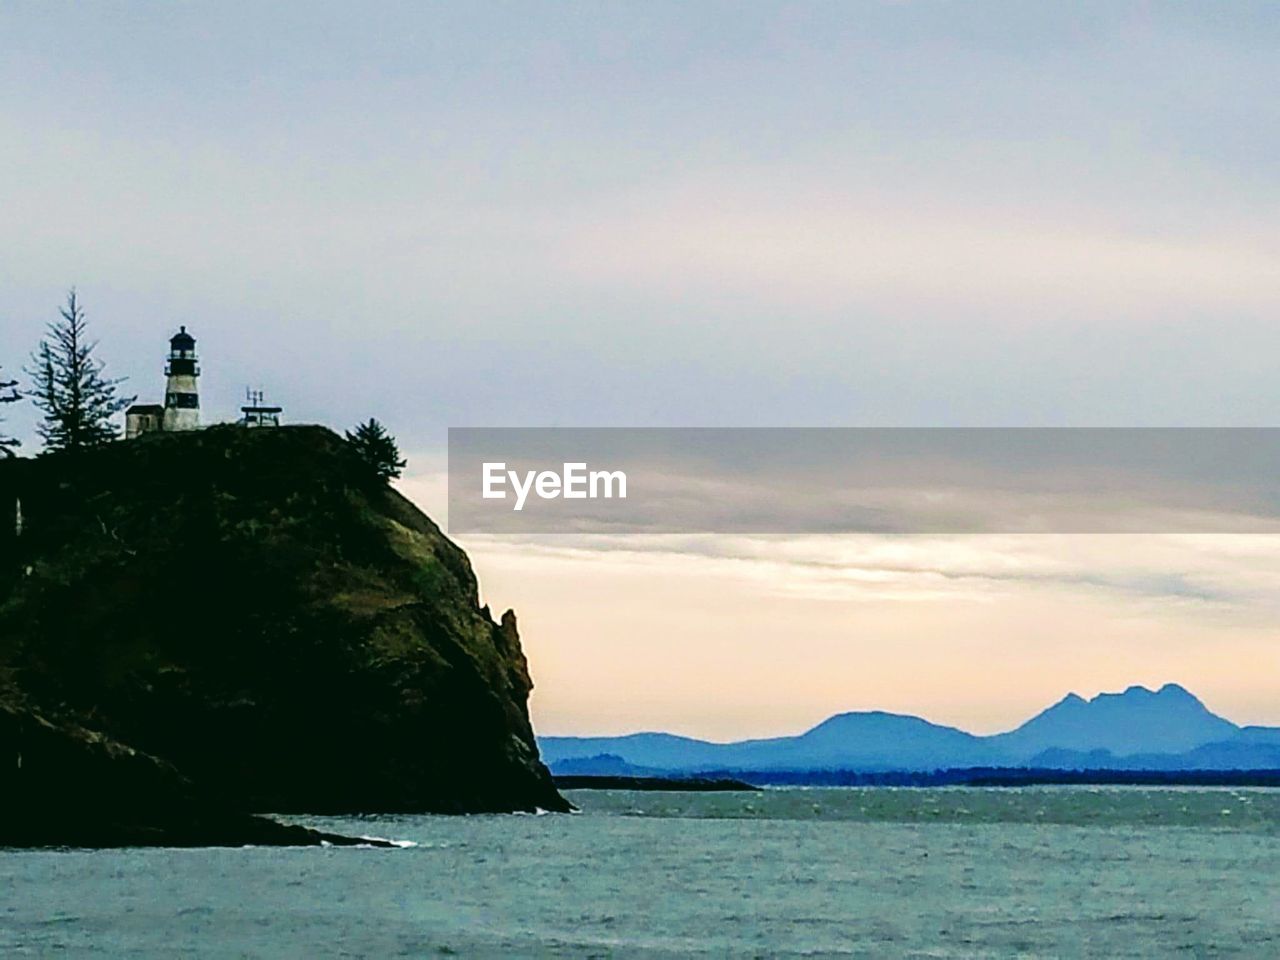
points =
(1167, 729)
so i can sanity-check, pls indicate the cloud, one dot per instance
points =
(978, 630)
(1206, 578)
(827, 247)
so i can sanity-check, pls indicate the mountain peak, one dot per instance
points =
(1133, 690)
(1137, 720)
(1136, 691)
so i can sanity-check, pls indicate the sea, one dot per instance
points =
(794, 872)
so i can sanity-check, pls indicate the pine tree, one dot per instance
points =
(8, 394)
(69, 388)
(378, 449)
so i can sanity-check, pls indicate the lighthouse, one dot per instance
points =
(181, 395)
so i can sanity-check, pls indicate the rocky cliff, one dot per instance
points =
(255, 609)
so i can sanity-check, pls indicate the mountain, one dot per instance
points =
(1165, 729)
(657, 751)
(871, 740)
(1233, 754)
(602, 765)
(1168, 720)
(257, 610)
(1259, 736)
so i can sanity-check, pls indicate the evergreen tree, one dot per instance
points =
(378, 449)
(8, 394)
(78, 402)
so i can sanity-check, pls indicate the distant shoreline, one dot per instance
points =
(754, 780)
(1002, 777)
(693, 784)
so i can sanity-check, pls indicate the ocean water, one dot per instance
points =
(1031, 872)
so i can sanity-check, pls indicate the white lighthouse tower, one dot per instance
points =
(181, 395)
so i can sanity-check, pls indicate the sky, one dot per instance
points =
(710, 214)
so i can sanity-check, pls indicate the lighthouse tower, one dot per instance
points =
(181, 396)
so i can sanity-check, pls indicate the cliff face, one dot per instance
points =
(253, 608)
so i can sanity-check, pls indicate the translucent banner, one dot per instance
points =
(864, 480)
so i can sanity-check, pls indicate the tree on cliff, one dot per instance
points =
(78, 402)
(8, 394)
(378, 449)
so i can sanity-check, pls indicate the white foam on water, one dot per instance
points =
(399, 844)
